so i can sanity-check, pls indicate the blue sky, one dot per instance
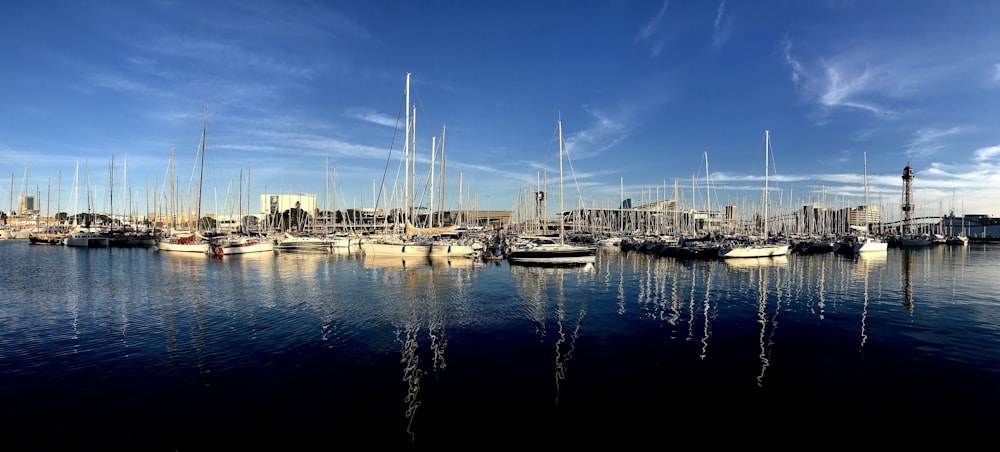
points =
(648, 92)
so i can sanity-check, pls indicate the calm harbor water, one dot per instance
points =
(142, 350)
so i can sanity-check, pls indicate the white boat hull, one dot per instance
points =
(418, 249)
(172, 245)
(870, 245)
(751, 251)
(292, 243)
(244, 246)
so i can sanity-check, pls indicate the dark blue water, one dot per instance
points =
(140, 350)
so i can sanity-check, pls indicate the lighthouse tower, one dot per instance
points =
(908, 199)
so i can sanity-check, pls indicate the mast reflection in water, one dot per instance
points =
(542, 289)
(134, 349)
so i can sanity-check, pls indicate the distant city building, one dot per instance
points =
(26, 205)
(277, 204)
(863, 215)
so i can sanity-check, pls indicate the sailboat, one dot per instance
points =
(543, 250)
(416, 241)
(962, 237)
(763, 247)
(188, 241)
(51, 235)
(86, 236)
(863, 241)
(245, 241)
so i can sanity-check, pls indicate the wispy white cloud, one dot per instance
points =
(835, 85)
(839, 82)
(878, 74)
(650, 32)
(209, 54)
(843, 88)
(928, 141)
(654, 23)
(311, 22)
(275, 142)
(122, 84)
(988, 153)
(376, 118)
(798, 71)
(602, 134)
(722, 28)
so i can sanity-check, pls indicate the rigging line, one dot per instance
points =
(392, 143)
(576, 183)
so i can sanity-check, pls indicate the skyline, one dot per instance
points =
(646, 92)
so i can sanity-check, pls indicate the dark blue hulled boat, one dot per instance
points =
(539, 250)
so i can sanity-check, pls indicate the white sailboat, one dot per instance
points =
(7, 232)
(244, 241)
(191, 240)
(539, 250)
(764, 246)
(962, 237)
(416, 241)
(863, 241)
(292, 242)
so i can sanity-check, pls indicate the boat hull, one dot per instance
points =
(172, 246)
(243, 245)
(86, 241)
(870, 247)
(752, 251)
(418, 249)
(552, 255)
(47, 239)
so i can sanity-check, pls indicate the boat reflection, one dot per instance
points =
(756, 262)
(762, 271)
(768, 320)
(766, 281)
(407, 337)
(543, 288)
(421, 297)
(868, 263)
(345, 252)
(871, 261)
(400, 263)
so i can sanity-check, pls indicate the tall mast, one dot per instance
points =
(621, 204)
(441, 189)
(86, 173)
(76, 194)
(48, 206)
(866, 192)
(326, 194)
(111, 191)
(172, 205)
(406, 153)
(201, 173)
(561, 219)
(430, 191)
(239, 192)
(413, 158)
(708, 196)
(767, 197)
